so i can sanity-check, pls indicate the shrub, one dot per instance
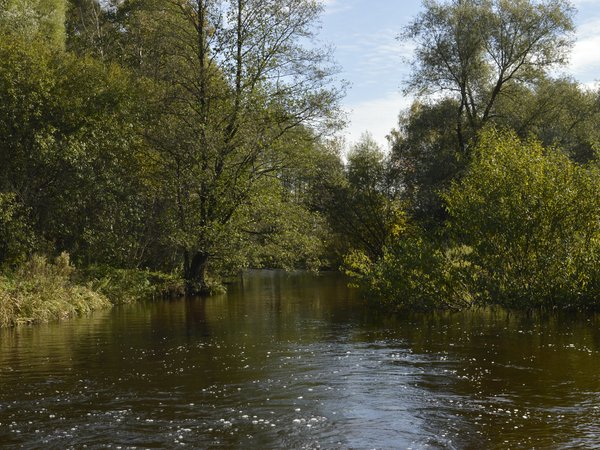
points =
(16, 238)
(532, 218)
(130, 285)
(414, 273)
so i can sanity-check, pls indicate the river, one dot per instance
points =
(298, 361)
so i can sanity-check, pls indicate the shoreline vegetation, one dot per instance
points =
(160, 147)
(522, 231)
(48, 291)
(42, 291)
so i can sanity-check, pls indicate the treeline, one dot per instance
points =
(164, 144)
(173, 137)
(495, 167)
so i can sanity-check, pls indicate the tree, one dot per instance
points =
(280, 231)
(532, 219)
(424, 157)
(236, 82)
(70, 154)
(362, 202)
(92, 28)
(523, 231)
(476, 51)
(34, 19)
(559, 112)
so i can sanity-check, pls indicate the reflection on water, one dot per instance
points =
(294, 360)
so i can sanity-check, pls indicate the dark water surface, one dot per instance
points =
(295, 361)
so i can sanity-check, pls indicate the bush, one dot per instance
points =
(40, 291)
(532, 218)
(16, 238)
(414, 273)
(523, 232)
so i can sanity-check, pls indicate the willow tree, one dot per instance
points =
(34, 19)
(475, 51)
(236, 80)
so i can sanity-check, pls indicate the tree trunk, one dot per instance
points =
(195, 274)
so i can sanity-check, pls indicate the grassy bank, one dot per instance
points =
(43, 291)
(130, 285)
(46, 291)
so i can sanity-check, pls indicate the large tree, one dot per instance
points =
(236, 82)
(476, 51)
(479, 63)
(559, 112)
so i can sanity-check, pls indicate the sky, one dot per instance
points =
(364, 34)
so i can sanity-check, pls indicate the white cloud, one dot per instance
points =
(376, 64)
(585, 57)
(377, 55)
(377, 116)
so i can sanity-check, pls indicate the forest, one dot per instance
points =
(158, 147)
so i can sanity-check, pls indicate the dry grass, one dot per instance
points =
(43, 291)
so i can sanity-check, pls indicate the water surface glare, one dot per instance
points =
(297, 361)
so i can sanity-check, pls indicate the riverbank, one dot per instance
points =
(45, 291)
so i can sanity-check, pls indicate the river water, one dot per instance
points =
(297, 361)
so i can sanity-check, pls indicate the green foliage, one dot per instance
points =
(523, 232)
(426, 158)
(169, 139)
(475, 51)
(414, 273)
(361, 200)
(130, 285)
(158, 140)
(532, 219)
(34, 20)
(490, 62)
(16, 238)
(559, 112)
(91, 28)
(281, 232)
(223, 124)
(70, 153)
(40, 291)
(425, 151)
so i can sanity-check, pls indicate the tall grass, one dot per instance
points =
(43, 291)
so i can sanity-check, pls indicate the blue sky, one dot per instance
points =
(363, 33)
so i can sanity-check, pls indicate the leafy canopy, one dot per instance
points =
(532, 219)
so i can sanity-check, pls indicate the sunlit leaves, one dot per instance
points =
(33, 20)
(532, 218)
(474, 50)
